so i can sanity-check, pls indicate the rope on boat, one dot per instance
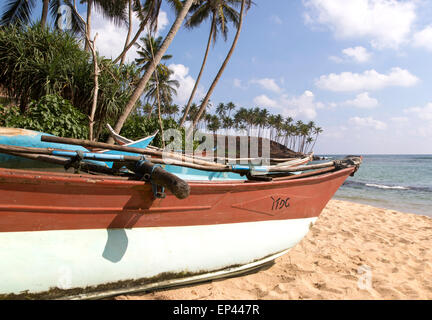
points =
(75, 161)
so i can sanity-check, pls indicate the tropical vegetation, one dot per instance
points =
(55, 81)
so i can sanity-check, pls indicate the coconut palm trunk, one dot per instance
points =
(212, 28)
(88, 24)
(221, 70)
(96, 71)
(44, 12)
(123, 57)
(146, 77)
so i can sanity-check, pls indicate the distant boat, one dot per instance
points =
(84, 236)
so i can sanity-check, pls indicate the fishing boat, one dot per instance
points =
(32, 138)
(81, 236)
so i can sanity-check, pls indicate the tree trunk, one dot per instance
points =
(143, 82)
(123, 57)
(212, 27)
(44, 13)
(221, 70)
(88, 24)
(157, 91)
(96, 71)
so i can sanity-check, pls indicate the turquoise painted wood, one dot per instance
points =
(30, 138)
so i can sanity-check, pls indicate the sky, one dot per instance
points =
(360, 69)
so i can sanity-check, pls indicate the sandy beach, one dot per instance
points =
(353, 251)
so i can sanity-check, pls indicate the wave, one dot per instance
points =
(385, 187)
(380, 186)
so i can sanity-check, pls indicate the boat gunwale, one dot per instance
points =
(125, 182)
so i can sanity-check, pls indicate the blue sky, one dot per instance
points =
(361, 69)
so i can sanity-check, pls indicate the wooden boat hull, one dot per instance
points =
(65, 235)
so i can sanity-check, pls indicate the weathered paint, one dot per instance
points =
(97, 230)
(34, 201)
(30, 138)
(40, 261)
(11, 132)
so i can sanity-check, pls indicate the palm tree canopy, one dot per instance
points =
(224, 12)
(17, 12)
(149, 49)
(20, 11)
(167, 86)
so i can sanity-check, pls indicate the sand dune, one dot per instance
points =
(353, 251)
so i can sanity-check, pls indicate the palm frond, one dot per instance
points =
(17, 12)
(115, 11)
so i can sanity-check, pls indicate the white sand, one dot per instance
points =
(354, 251)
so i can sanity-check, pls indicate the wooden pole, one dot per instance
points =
(149, 152)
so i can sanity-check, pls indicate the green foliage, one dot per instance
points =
(51, 114)
(35, 62)
(137, 127)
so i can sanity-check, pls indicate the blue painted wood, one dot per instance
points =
(30, 138)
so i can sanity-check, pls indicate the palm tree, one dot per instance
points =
(20, 12)
(224, 64)
(220, 110)
(147, 12)
(227, 123)
(214, 124)
(316, 131)
(149, 48)
(163, 86)
(148, 73)
(262, 120)
(220, 13)
(230, 106)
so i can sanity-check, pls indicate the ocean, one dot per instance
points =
(398, 182)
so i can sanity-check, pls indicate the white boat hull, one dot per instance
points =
(83, 263)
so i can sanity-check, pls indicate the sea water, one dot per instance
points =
(399, 182)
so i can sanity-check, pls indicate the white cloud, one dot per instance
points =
(276, 19)
(265, 101)
(386, 23)
(301, 106)
(362, 100)
(239, 84)
(423, 38)
(399, 120)
(111, 38)
(424, 113)
(268, 84)
(359, 54)
(186, 84)
(368, 122)
(368, 80)
(336, 59)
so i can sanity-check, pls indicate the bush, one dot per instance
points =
(35, 62)
(51, 114)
